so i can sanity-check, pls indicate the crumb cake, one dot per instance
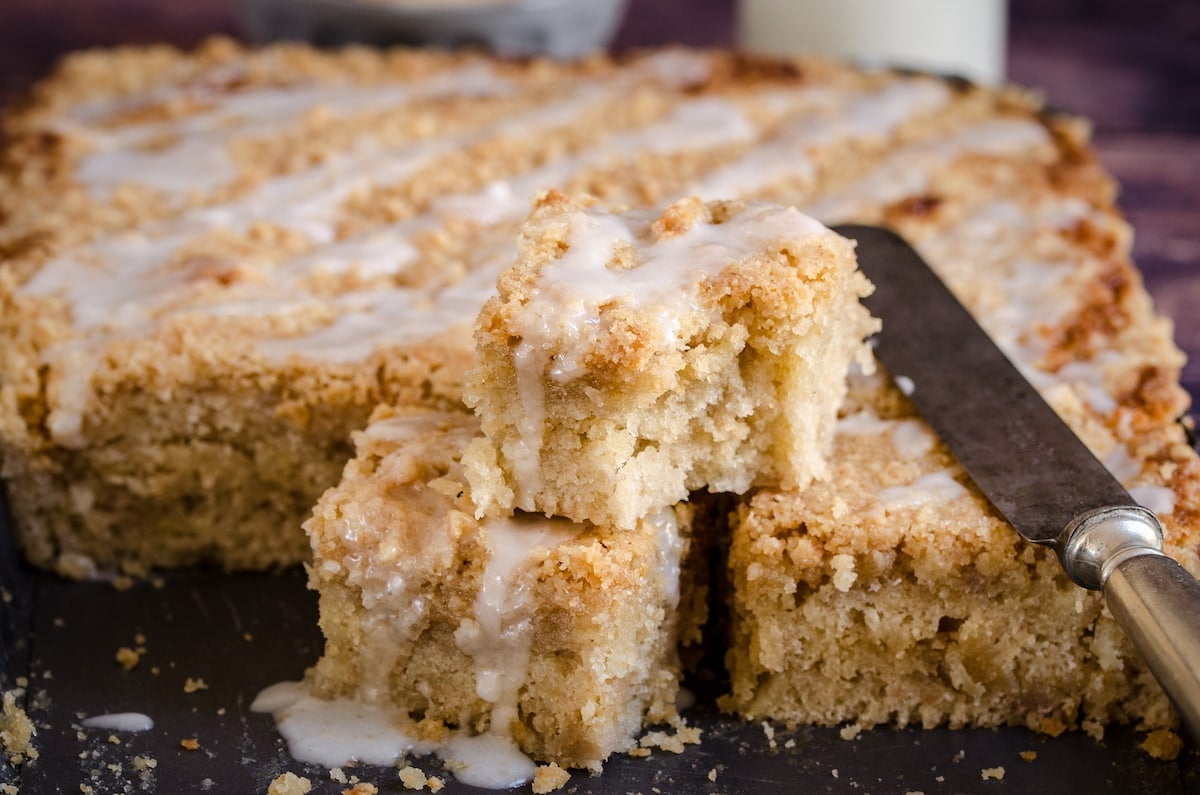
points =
(557, 636)
(631, 358)
(893, 593)
(214, 265)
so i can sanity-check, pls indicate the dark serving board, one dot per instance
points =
(240, 633)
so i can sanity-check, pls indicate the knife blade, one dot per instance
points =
(1029, 463)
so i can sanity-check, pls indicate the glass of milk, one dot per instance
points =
(961, 37)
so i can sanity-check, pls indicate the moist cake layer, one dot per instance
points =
(554, 636)
(894, 594)
(631, 358)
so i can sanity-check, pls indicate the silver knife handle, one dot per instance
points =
(1154, 599)
(1157, 603)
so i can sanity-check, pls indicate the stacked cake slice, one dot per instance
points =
(631, 359)
(623, 352)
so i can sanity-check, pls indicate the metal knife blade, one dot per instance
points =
(1029, 463)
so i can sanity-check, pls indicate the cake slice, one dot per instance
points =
(894, 593)
(554, 637)
(631, 358)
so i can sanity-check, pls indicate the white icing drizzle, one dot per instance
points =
(1159, 499)
(932, 487)
(335, 732)
(120, 722)
(665, 278)
(195, 158)
(487, 761)
(787, 155)
(305, 202)
(498, 639)
(68, 395)
(864, 422)
(1127, 469)
(530, 360)
(906, 171)
(410, 427)
(394, 317)
(389, 573)
(1121, 464)
(911, 439)
(669, 556)
(338, 732)
(667, 272)
(1028, 295)
(691, 125)
(125, 284)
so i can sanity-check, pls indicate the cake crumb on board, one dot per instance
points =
(549, 778)
(1052, 727)
(412, 777)
(684, 735)
(191, 685)
(992, 774)
(128, 658)
(1028, 756)
(1162, 744)
(16, 730)
(415, 778)
(289, 784)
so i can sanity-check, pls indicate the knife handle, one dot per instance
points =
(1118, 549)
(1157, 604)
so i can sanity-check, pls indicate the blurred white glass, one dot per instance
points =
(963, 37)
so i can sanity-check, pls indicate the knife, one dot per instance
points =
(1030, 464)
